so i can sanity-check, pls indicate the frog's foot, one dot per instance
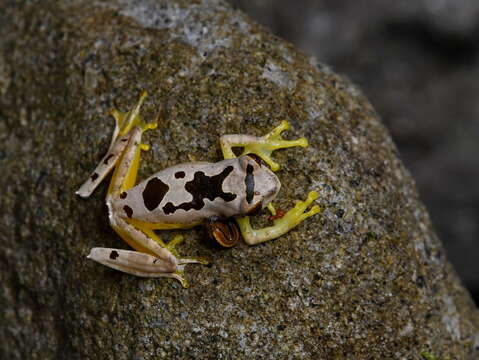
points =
(271, 142)
(171, 246)
(183, 261)
(124, 122)
(138, 263)
(281, 225)
(262, 146)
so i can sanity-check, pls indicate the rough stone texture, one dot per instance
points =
(417, 62)
(366, 279)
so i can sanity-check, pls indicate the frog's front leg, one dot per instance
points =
(282, 225)
(263, 147)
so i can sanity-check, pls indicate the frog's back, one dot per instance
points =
(184, 194)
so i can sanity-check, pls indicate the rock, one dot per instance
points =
(417, 63)
(368, 278)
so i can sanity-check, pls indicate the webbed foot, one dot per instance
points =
(271, 142)
(262, 146)
(124, 122)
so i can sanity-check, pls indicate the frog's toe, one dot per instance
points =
(298, 213)
(126, 121)
(301, 206)
(178, 275)
(148, 126)
(271, 142)
(171, 246)
(180, 270)
(276, 132)
(194, 260)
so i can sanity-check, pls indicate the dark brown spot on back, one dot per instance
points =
(108, 159)
(123, 195)
(114, 254)
(180, 174)
(203, 187)
(155, 191)
(128, 211)
(94, 177)
(169, 208)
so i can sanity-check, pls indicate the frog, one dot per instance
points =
(222, 196)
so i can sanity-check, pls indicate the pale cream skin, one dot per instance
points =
(186, 195)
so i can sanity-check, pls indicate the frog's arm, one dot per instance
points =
(282, 225)
(263, 146)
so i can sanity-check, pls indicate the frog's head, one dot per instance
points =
(262, 185)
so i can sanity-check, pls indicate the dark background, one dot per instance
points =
(417, 62)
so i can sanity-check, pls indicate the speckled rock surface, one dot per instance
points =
(366, 279)
(418, 64)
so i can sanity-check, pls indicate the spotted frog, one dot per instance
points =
(187, 195)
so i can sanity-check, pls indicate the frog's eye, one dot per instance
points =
(224, 232)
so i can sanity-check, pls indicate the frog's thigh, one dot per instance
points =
(281, 226)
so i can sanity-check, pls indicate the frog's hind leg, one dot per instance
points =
(124, 122)
(152, 257)
(150, 260)
(104, 167)
(136, 263)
